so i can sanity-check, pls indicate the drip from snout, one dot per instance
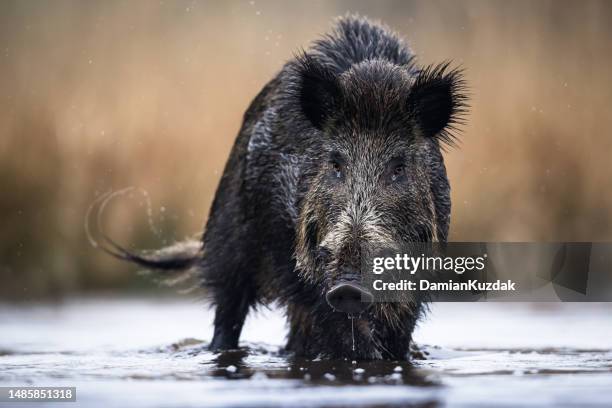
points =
(352, 330)
(349, 298)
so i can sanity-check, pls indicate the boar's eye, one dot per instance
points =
(336, 166)
(336, 169)
(398, 172)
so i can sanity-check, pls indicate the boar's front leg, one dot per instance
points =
(229, 266)
(232, 301)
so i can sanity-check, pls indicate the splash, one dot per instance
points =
(102, 201)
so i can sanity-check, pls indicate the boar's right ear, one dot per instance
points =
(438, 102)
(318, 90)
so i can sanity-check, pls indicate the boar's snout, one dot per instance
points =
(349, 298)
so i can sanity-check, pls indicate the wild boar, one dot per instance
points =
(340, 150)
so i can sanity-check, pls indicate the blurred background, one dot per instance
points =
(102, 95)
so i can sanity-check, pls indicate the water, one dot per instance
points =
(152, 352)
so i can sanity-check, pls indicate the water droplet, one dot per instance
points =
(259, 376)
(353, 330)
(329, 377)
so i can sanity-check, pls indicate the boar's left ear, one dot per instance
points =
(438, 102)
(318, 90)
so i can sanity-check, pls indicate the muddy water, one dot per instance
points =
(151, 352)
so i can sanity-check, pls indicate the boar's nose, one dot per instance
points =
(349, 298)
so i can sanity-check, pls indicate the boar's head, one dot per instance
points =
(375, 177)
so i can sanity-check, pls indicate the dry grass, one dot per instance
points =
(101, 95)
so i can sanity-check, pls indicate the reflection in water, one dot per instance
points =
(246, 363)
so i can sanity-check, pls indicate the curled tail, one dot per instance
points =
(176, 258)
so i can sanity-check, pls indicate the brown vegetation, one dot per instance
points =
(104, 95)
